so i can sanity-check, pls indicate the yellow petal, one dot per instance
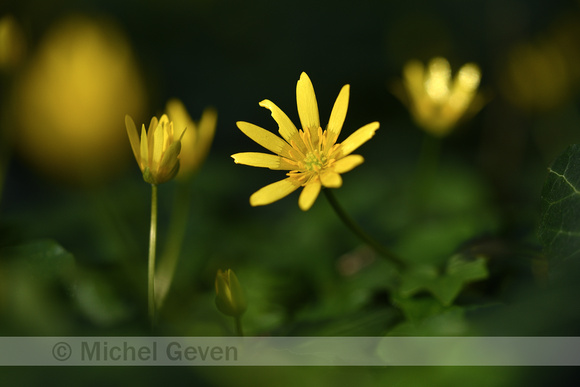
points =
(274, 192)
(144, 149)
(263, 160)
(307, 105)
(150, 132)
(164, 120)
(205, 135)
(414, 80)
(265, 138)
(348, 163)
(309, 194)
(468, 77)
(158, 145)
(168, 137)
(438, 79)
(330, 179)
(179, 116)
(285, 126)
(358, 138)
(464, 88)
(337, 116)
(169, 165)
(133, 137)
(152, 124)
(206, 132)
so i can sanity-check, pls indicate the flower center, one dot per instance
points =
(314, 161)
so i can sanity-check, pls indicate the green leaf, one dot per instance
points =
(42, 260)
(448, 322)
(99, 301)
(447, 286)
(432, 222)
(417, 309)
(559, 228)
(38, 285)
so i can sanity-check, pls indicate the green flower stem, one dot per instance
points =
(358, 231)
(152, 243)
(3, 168)
(239, 330)
(170, 257)
(5, 153)
(428, 162)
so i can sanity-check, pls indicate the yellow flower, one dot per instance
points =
(158, 151)
(538, 76)
(230, 298)
(435, 100)
(67, 102)
(197, 139)
(311, 155)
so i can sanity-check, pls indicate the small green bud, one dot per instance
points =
(230, 299)
(148, 176)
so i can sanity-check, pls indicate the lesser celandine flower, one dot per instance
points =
(157, 153)
(436, 101)
(196, 140)
(311, 155)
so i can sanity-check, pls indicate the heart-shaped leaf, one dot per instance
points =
(559, 228)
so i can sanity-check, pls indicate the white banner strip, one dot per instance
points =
(289, 351)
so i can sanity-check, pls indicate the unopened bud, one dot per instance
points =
(230, 299)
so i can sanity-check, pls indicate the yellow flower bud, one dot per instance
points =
(230, 299)
(157, 153)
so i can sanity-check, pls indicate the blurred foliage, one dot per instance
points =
(489, 251)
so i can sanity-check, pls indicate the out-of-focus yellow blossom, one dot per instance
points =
(12, 43)
(157, 153)
(230, 298)
(436, 101)
(196, 140)
(311, 154)
(544, 74)
(537, 76)
(70, 102)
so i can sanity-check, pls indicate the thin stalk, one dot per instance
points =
(239, 330)
(428, 163)
(152, 243)
(170, 256)
(359, 232)
(5, 153)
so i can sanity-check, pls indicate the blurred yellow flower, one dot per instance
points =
(12, 43)
(71, 98)
(230, 298)
(538, 76)
(157, 153)
(436, 101)
(196, 140)
(311, 154)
